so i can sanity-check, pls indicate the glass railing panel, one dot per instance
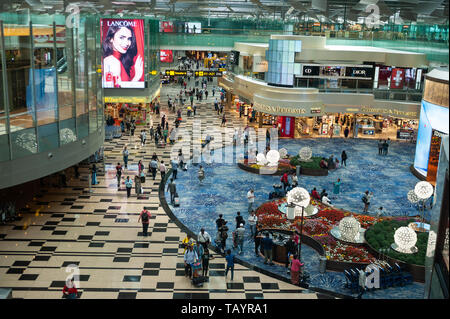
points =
(48, 137)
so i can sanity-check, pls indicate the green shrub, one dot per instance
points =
(381, 236)
(314, 164)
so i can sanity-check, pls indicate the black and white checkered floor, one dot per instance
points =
(98, 231)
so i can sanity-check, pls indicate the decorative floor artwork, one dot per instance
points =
(224, 190)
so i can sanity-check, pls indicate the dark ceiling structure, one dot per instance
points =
(421, 11)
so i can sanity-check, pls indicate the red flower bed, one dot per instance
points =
(270, 208)
(270, 221)
(332, 215)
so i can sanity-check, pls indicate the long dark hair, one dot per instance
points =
(128, 57)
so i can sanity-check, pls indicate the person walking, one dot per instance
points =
(295, 270)
(223, 235)
(172, 135)
(252, 220)
(344, 158)
(162, 170)
(251, 199)
(205, 262)
(174, 168)
(152, 133)
(366, 200)
(240, 231)
(153, 167)
(128, 186)
(137, 185)
(143, 137)
(144, 216)
(190, 257)
(219, 221)
(224, 120)
(172, 189)
(291, 249)
(346, 132)
(203, 238)
(385, 147)
(336, 186)
(380, 147)
(201, 174)
(206, 94)
(125, 156)
(181, 159)
(239, 220)
(140, 167)
(94, 175)
(267, 244)
(285, 181)
(118, 174)
(230, 263)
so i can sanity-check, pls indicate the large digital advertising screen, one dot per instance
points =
(166, 56)
(123, 53)
(432, 118)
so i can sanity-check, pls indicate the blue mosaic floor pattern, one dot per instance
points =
(225, 187)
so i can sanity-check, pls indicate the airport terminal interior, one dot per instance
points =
(240, 149)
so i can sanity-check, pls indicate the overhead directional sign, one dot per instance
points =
(192, 73)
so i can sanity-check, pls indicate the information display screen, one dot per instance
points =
(193, 27)
(432, 118)
(123, 53)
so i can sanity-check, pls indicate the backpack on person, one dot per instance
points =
(145, 217)
(364, 199)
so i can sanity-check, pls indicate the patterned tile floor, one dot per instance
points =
(96, 229)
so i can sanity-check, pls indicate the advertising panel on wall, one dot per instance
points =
(123, 53)
(397, 78)
(166, 56)
(432, 117)
(166, 26)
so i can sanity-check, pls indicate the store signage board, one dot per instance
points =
(196, 73)
(126, 99)
(390, 112)
(363, 72)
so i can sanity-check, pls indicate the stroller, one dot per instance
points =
(197, 280)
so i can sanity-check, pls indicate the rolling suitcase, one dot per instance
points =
(176, 200)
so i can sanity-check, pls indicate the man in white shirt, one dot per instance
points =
(252, 219)
(326, 200)
(203, 238)
(251, 199)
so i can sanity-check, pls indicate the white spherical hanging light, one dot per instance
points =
(412, 197)
(283, 152)
(423, 190)
(273, 157)
(298, 196)
(405, 239)
(349, 228)
(305, 153)
(261, 159)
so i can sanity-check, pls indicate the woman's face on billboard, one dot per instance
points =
(121, 40)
